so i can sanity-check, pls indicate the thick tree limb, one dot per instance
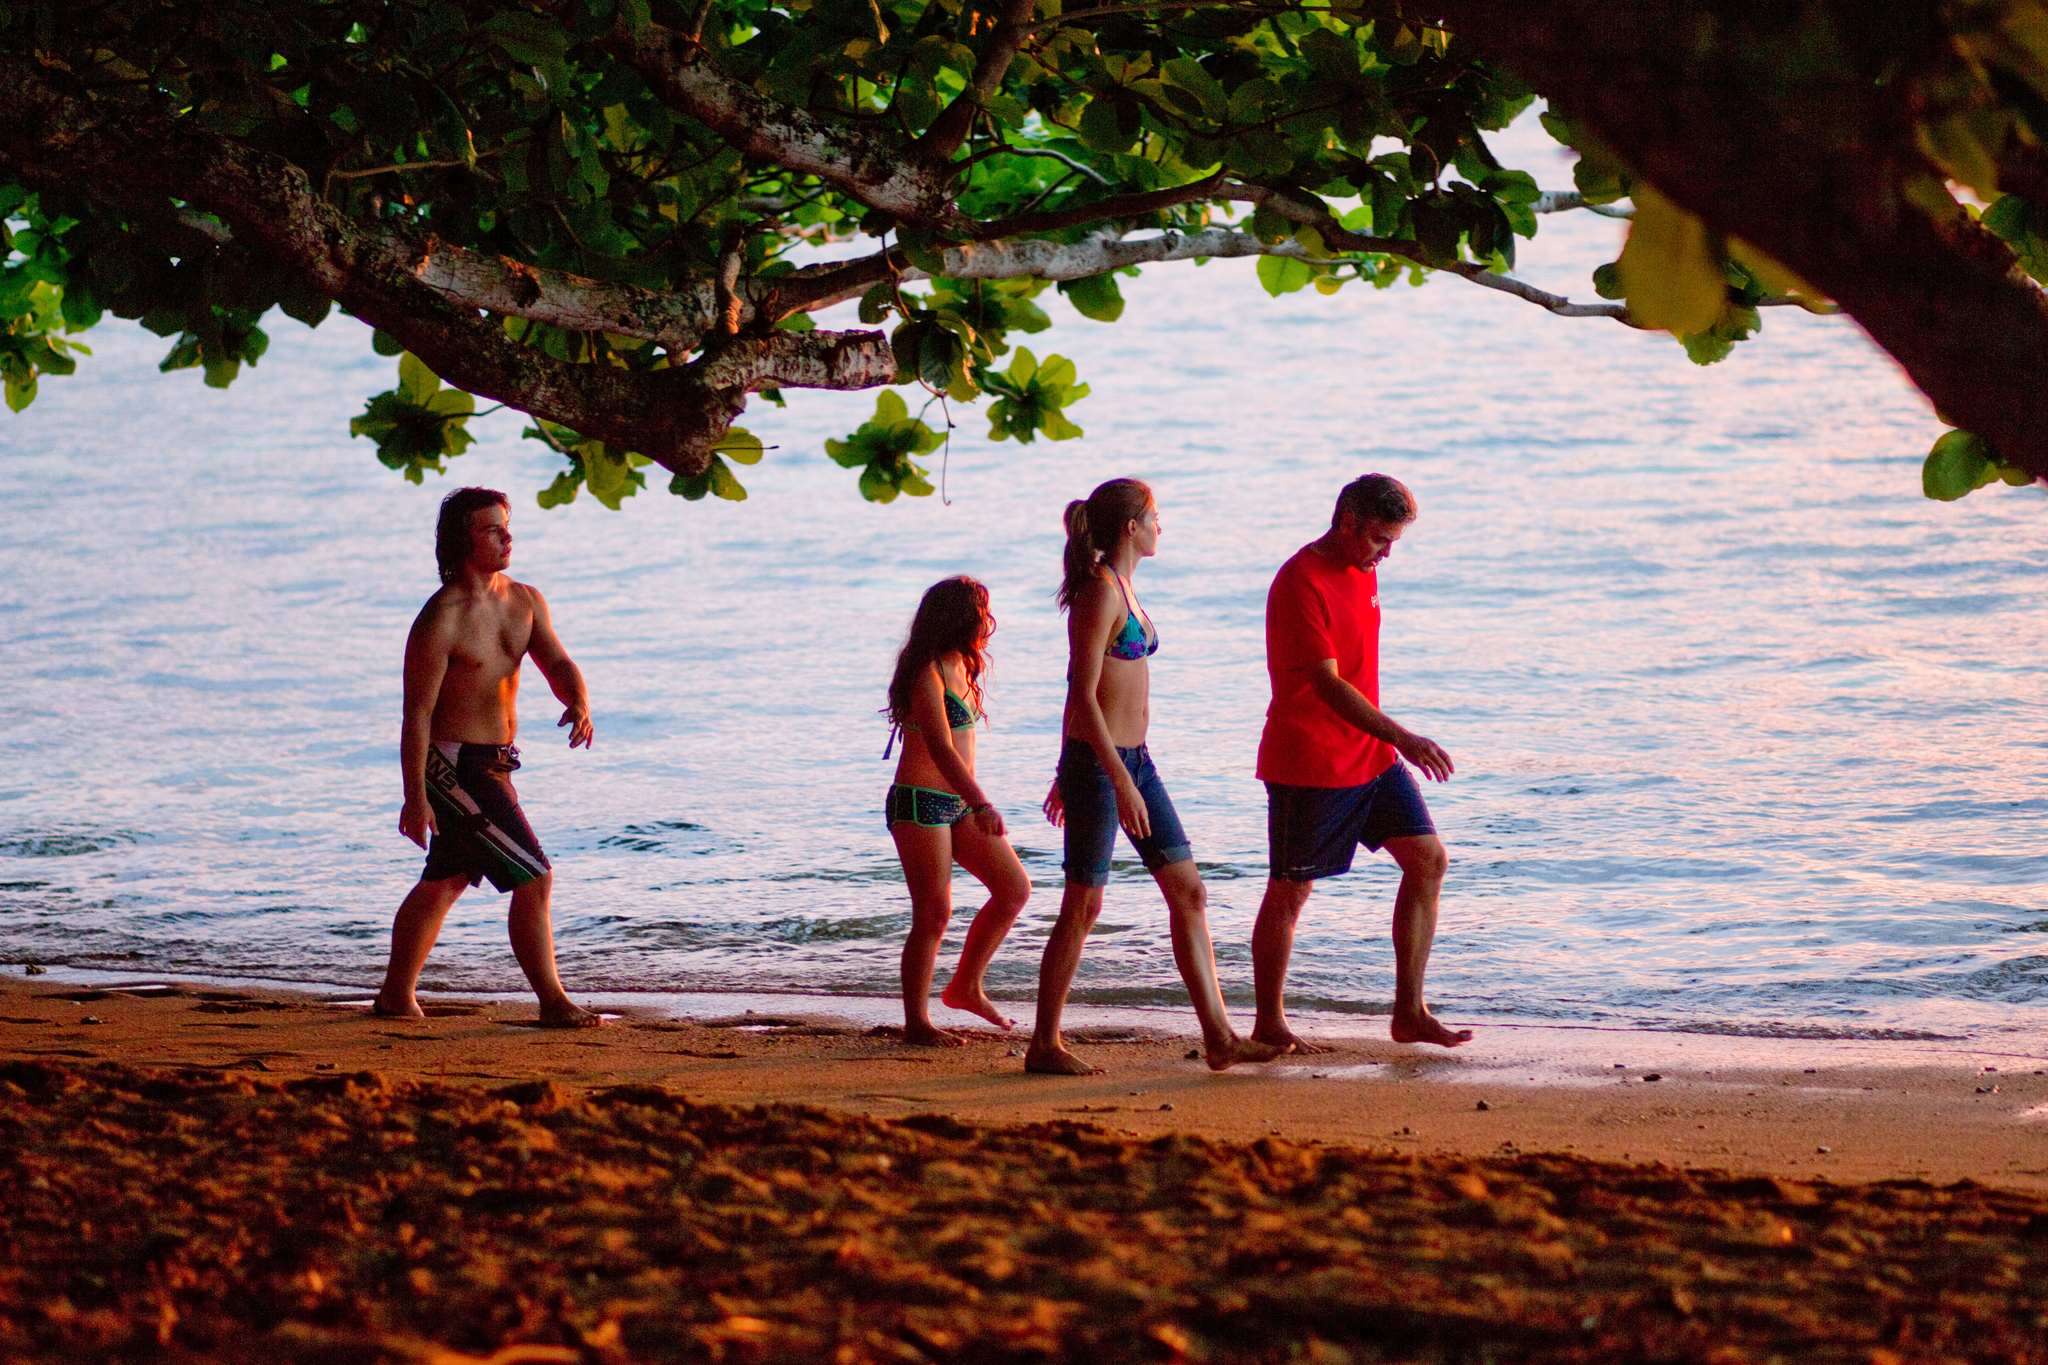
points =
(946, 132)
(675, 416)
(1814, 171)
(870, 168)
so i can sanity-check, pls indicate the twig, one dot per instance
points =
(412, 166)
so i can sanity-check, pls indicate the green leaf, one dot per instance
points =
(21, 387)
(1958, 464)
(1670, 270)
(383, 343)
(562, 491)
(1283, 274)
(877, 304)
(1095, 297)
(723, 484)
(415, 380)
(740, 444)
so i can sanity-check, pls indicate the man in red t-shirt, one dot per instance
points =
(1331, 759)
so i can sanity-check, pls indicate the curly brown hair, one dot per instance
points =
(953, 618)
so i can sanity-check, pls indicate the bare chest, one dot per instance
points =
(490, 644)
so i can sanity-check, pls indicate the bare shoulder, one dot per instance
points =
(1098, 597)
(439, 615)
(527, 595)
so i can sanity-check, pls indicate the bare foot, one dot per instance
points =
(566, 1015)
(1242, 1050)
(1425, 1029)
(927, 1035)
(957, 997)
(1057, 1061)
(410, 1010)
(1287, 1040)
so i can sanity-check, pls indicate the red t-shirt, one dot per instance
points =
(1319, 609)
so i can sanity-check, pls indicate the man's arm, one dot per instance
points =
(426, 664)
(565, 680)
(1352, 708)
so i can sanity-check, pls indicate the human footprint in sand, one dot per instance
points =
(939, 815)
(1106, 777)
(461, 687)
(1331, 760)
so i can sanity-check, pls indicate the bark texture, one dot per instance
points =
(1814, 171)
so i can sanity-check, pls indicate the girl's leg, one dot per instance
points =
(1078, 909)
(992, 862)
(1187, 911)
(927, 856)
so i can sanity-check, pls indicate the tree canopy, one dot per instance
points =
(619, 216)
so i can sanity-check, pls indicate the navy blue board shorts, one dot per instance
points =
(1313, 831)
(479, 830)
(1090, 799)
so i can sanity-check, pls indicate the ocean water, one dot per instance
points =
(1749, 735)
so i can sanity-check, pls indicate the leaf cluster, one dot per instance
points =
(417, 424)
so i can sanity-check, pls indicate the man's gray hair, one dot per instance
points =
(1375, 497)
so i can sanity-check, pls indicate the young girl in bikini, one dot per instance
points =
(938, 814)
(1106, 777)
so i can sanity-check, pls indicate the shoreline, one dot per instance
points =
(1835, 1110)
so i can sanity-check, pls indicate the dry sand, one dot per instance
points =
(254, 1175)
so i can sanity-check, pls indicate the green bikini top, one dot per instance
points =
(959, 716)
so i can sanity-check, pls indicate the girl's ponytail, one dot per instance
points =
(1094, 529)
(1080, 556)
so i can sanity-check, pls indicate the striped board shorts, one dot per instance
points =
(479, 829)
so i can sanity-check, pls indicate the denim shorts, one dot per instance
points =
(1090, 799)
(1313, 831)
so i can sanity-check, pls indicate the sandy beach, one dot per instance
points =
(208, 1173)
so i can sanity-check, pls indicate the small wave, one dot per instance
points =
(58, 845)
(1815, 1032)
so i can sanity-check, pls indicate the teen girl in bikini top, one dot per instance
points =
(1138, 639)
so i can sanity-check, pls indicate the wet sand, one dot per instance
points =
(231, 1174)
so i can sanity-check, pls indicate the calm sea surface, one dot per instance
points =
(1750, 737)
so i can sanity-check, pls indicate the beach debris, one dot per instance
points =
(1193, 1054)
(1482, 1106)
(1166, 1108)
(323, 1066)
(92, 1019)
(1991, 1068)
(1137, 1092)
(1015, 1053)
(35, 969)
(1824, 1151)
(1407, 1132)
(1987, 1090)
(426, 1207)
(1621, 1066)
(1653, 1075)
(1813, 1071)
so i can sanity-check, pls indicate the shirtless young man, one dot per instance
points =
(461, 685)
(1331, 760)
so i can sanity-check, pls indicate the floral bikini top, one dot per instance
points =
(1135, 640)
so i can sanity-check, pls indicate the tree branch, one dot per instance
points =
(872, 169)
(1101, 211)
(944, 135)
(675, 416)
